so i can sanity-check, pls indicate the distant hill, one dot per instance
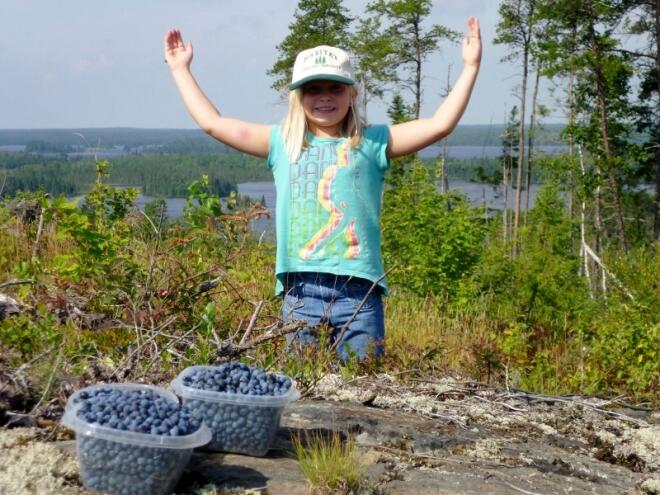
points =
(194, 140)
(182, 140)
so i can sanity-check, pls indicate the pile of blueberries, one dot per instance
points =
(238, 427)
(137, 411)
(124, 468)
(238, 378)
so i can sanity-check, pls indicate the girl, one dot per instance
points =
(328, 168)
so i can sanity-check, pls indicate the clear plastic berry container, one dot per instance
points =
(120, 462)
(240, 423)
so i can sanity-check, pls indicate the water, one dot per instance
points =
(478, 194)
(466, 152)
(457, 152)
(12, 148)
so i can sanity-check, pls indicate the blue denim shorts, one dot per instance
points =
(333, 300)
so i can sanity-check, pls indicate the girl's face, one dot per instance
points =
(326, 104)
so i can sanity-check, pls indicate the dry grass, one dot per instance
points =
(420, 333)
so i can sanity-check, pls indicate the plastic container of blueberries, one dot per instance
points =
(119, 462)
(240, 423)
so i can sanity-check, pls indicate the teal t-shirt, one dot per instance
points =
(328, 205)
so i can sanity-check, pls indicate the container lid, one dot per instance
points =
(71, 420)
(186, 392)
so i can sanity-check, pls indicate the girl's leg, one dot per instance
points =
(363, 317)
(303, 301)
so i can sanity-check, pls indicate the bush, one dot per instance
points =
(432, 239)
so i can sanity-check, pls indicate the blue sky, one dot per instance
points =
(75, 63)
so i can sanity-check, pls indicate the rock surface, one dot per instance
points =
(437, 437)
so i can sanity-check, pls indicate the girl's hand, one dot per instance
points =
(177, 54)
(472, 44)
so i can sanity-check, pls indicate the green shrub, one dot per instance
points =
(432, 239)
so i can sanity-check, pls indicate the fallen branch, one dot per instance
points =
(17, 282)
(228, 350)
(248, 331)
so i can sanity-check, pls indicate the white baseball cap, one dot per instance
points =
(322, 63)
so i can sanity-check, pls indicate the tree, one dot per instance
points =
(536, 111)
(516, 29)
(317, 22)
(411, 42)
(398, 111)
(581, 37)
(373, 59)
(510, 155)
(645, 20)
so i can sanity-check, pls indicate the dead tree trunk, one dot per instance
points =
(521, 149)
(530, 140)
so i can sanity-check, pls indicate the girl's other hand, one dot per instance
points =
(177, 54)
(472, 44)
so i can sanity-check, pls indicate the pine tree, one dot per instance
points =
(412, 43)
(316, 22)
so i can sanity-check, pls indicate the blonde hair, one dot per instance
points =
(294, 127)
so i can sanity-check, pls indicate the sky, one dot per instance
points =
(92, 63)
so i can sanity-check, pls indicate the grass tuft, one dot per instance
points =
(329, 463)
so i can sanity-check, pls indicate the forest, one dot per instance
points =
(558, 298)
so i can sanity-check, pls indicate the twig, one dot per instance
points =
(344, 327)
(600, 263)
(17, 282)
(169, 346)
(26, 365)
(50, 382)
(4, 181)
(520, 490)
(157, 331)
(247, 333)
(504, 404)
(358, 378)
(40, 228)
(572, 400)
(152, 261)
(446, 418)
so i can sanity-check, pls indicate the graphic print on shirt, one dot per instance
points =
(334, 199)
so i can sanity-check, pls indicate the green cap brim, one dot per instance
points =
(322, 77)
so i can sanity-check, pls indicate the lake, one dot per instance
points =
(478, 194)
(455, 152)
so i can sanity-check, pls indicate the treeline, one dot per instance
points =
(194, 141)
(100, 137)
(166, 175)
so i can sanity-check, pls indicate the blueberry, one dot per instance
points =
(123, 468)
(237, 427)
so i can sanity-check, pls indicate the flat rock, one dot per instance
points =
(437, 440)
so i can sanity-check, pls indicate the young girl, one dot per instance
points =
(328, 168)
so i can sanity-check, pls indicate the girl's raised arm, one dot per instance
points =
(244, 136)
(412, 136)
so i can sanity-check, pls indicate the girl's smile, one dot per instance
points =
(326, 104)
